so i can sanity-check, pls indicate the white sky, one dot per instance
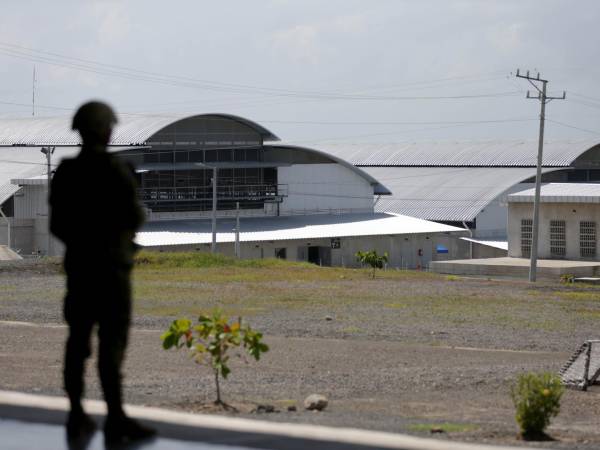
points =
(311, 70)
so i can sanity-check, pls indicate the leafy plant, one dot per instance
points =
(567, 278)
(537, 399)
(214, 337)
(371, 258)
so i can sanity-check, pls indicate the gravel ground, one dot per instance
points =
(385, 365)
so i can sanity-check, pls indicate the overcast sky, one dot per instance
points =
(310, 70)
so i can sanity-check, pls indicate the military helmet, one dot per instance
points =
(94, 116)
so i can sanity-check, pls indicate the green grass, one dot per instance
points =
(197, 260)
(185, 283)
(175, 284)
(446, 427)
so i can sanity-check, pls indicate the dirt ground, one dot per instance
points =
(403, 353)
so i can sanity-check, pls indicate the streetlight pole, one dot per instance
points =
(213, 247)
(237, 230)
(48, 151)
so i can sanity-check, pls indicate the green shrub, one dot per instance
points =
(567, 278)
(371, 258)
(537, 399)
(214, 337)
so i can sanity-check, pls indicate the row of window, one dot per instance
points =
(220, 155)
(198, 178)
(558, 238)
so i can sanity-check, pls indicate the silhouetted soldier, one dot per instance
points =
(95, 212)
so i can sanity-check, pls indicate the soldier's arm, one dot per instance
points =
(132, 214)
(58, 212)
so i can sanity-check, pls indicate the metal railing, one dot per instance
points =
(273, 192)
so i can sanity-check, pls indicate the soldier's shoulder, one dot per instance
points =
(66, 165)
(123, 166)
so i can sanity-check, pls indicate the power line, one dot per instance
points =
(443, 122)
(587, 97)
(172, 80)
(393, 132)
(573, 126)
(19, 50)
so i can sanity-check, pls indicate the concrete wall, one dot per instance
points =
(492, 220)
(571, 213)
(29, 237)
(31, 202)
(485, 251)
(314, 187)
(403, 250)
(21, 235)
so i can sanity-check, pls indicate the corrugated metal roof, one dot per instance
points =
(445, 193)
(378, 188)
(27, 162)
(483, 154)
(7, 190)
(37, 180)
(131, 129)
(561, 193)
(191, 232)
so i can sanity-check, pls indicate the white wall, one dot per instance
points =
(493, 219)
(403, 250)
(31, 202)
(324, 186)
(571, 213)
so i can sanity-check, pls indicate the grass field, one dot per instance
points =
(176, 284)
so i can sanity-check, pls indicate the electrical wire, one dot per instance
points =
(172, 80)
(33, 53)
(573, 126)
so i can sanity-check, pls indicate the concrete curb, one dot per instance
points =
(223, 430)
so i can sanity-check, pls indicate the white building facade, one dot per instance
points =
(569, 221)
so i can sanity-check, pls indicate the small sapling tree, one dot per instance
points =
(214, 337)
(537, 399)
(371, 258)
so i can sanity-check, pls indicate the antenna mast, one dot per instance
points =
(33, 94)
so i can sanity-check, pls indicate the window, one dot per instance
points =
(587, 239)
(558, 241)
(526, 234)
(280, 253)
(577, 175)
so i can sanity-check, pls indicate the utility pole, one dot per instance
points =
(48, 151)
(213, 247)
(543, 98)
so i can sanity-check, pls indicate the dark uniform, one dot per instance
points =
(95, 213)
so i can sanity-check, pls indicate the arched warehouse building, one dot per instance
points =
(466, 183)
(295, 202)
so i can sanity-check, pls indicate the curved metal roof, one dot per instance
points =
(26, 162)
(378, 188)
(515, 153)
(316, 226)
(560, 193)
(132, 129)
(445, 193)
